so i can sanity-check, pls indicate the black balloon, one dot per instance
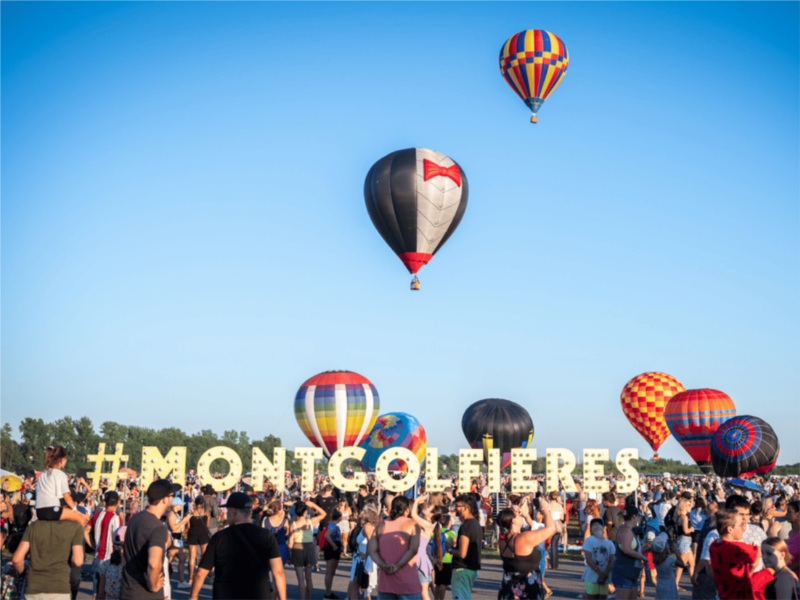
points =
(416, 199)
(497, 423)
(744, 445)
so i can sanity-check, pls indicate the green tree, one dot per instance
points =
(11, 455)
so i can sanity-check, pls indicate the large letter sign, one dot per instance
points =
(338, 480)
(273, 470)
(153, 463)
(522, 473)
(591, 470)
(234, 468)
(555, 472)
(623, 462)
(410, 477)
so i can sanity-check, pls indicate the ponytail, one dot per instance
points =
(53, 455)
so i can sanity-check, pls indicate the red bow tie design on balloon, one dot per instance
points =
(433, 170)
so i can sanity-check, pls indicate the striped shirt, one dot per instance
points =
(104, 524)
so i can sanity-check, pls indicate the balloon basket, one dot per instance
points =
(534, 119)
(415, 284)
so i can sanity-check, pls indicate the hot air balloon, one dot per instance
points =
(336, 409)
(496, 423)
(643, 400)
(533, 63)
(744, 446)
(693, 416)
(416, 199)
(394, 430)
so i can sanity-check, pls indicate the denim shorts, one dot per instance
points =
(684, 544)
(623, 582)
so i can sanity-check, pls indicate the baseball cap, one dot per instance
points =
(160, 489)
(239, 500)
(176, 501)
(119, 535)
(660, 543)
(111, 498)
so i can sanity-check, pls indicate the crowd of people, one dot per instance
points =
(731, 542)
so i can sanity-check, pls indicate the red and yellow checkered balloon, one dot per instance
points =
(643, 401)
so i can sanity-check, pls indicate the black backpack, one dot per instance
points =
(352, 541)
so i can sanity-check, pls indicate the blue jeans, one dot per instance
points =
(95, 577)
(389, 596)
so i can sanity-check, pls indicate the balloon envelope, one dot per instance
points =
(693, 416)
(336, 409)
(394, 430)
(416, 199)
(497, 423)
(743, 446)
(643, 401)
(533, 63)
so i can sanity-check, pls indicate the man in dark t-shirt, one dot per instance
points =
(242, 556)
(612, 516)
(467, 552)
(326, 502)
(145, 544)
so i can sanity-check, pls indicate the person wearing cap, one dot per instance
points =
(599, 555)
(242, 556)
(176, 527)
(99, 534)
(665, 561)
(145, 543)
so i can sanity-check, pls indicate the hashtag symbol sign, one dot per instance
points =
(100, 459)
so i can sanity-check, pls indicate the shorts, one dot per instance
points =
(422, 579)
(461, 585)
(197, 539)
(623, 582)
(684, 544)
(49, 513)
(331, 554)
(304, 556)
(596, 589)
(445, 576)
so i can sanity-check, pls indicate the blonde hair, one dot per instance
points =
(684, 506)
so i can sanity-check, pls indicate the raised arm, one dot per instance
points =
(321, 514)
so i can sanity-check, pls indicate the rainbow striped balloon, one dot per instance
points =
(534, 63)
(336, 409)
(394, 430)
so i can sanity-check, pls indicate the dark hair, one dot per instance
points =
(116, 557)
(727, 517)
(399, 506)
(598, 521)
(699, 503)
(300, 508)
(53, 455)
(610, 497)
(336, 515)
(756, 508)
(794, 505)
(630, 512)
(737, 501)
(505, 517)
(469, 500)
(440, 515)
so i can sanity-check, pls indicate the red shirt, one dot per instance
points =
(732, 563)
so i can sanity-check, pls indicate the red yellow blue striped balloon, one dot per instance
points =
(693, 417)
(336, 409)
(533, 63)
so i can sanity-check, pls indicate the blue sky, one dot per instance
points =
(185, 241)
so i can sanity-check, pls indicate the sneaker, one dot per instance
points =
(184, 586)
(331, 596)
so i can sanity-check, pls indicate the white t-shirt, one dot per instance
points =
(601, 552)
(50, 488)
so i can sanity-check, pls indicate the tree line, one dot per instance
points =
(79, 437)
